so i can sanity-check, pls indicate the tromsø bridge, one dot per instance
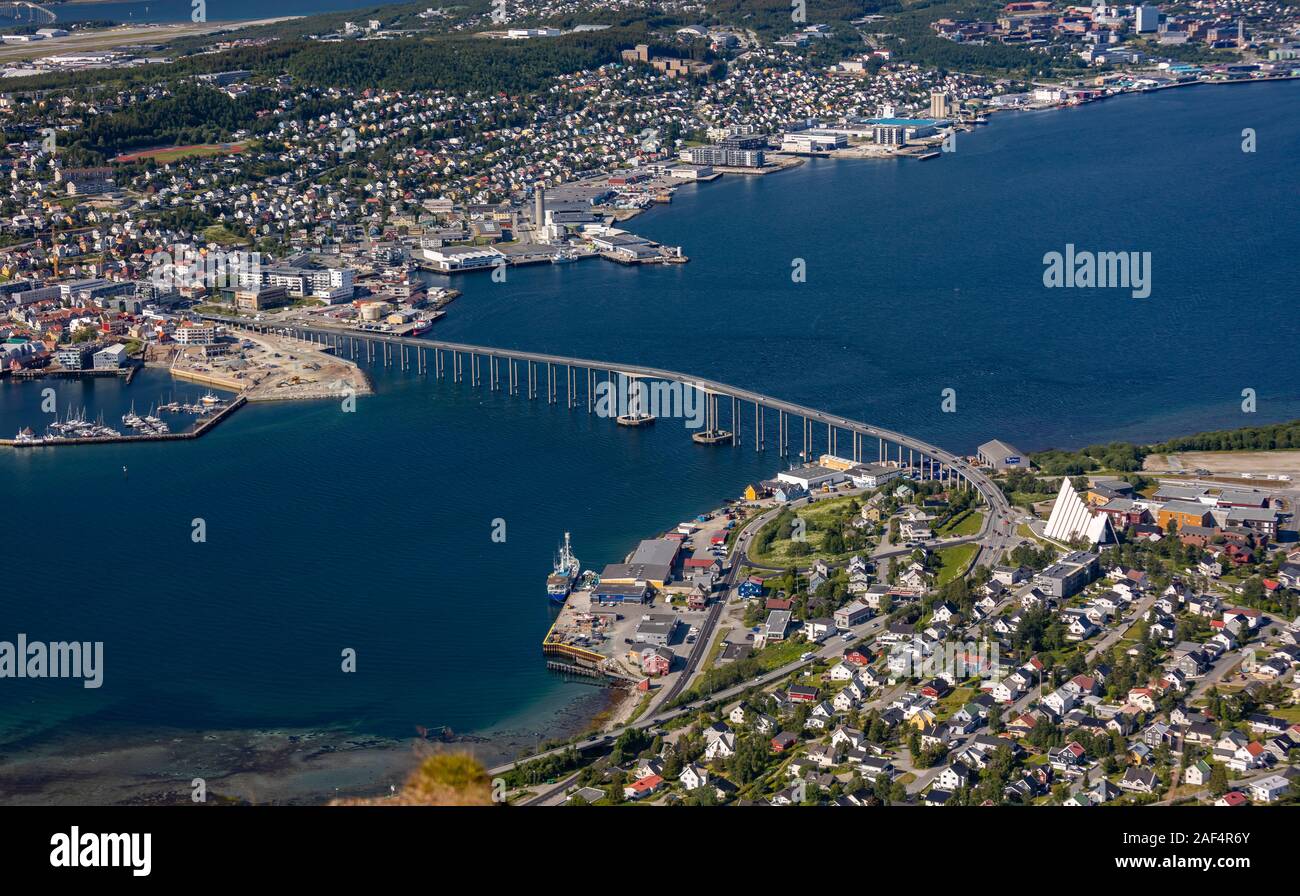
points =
(576, 381)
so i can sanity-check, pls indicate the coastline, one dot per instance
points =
(285, 767)
(248, 766)
(922, 150)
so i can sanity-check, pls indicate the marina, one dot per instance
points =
(149, 428)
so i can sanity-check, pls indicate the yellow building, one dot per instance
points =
(1184, 514)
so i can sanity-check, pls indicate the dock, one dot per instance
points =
(202, 429)
(37, 373)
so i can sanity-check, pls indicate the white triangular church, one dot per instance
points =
(1071, 519)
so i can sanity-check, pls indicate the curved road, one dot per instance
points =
(1001, 510)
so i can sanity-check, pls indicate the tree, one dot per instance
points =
(1218, 779)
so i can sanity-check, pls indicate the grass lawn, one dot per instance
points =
(640, 708)
(716, 648)
(954, 701)
(955, 559)
(218, 234)
(171, 154)
(965, 523)
(774, 656)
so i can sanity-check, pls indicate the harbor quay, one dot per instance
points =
(265, 367)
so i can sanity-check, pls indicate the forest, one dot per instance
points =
(1125, 456)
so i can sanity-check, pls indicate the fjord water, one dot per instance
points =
(372, 530)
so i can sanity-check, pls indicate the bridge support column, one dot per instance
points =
(758, 427)
(735, 420)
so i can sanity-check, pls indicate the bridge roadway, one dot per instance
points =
(966, 472)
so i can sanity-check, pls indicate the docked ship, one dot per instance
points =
(565, 572)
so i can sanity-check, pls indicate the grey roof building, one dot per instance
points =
(1001, 456)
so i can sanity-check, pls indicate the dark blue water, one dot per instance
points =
(928, 275)
(371, 530)
(163, 11)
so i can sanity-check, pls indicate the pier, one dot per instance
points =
(575, 382)
(203, 427)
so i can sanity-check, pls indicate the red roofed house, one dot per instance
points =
(643, 787)
(1142, 697)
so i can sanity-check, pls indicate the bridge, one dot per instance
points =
(22, 11)
(577, 381)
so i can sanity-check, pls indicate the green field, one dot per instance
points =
(218, 234)
(955, 559)
(174, 153)
(965, 523)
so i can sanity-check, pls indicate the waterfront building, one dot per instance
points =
(454, 259)
(195, 333)
(302, 277)
(812, 476)
(611, 593)
(939, 104)
(75, 357)
(719, 156)
(872, 475)
(657, 552)
(1001, 456)
(110, 357)
(681, 172)
(897, 131)
(641, 574)
(813, 141)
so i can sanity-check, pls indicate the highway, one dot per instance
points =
(999, 524)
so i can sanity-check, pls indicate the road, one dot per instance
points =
(123, 36)
(998, 522)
